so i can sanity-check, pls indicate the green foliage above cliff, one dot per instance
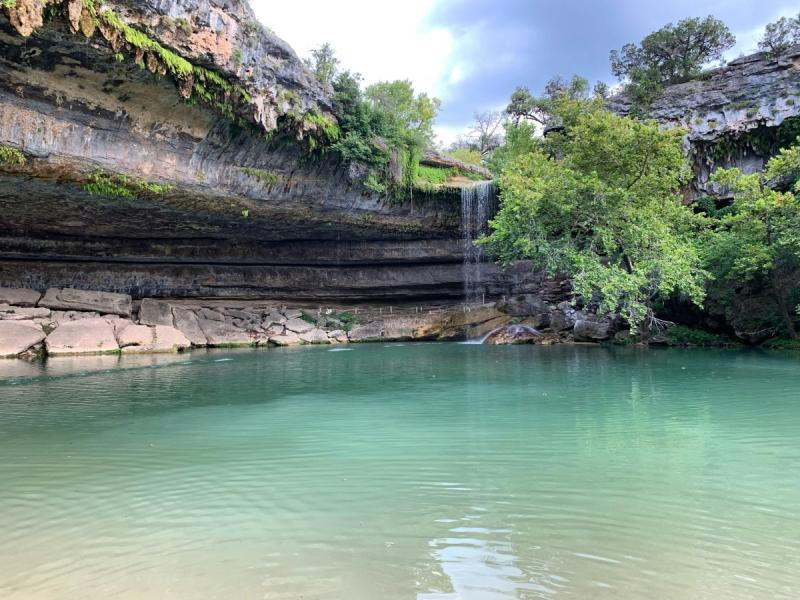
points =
(671, 54)
(606, 212)
(780, 35)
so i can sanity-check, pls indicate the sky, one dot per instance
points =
(472, 54)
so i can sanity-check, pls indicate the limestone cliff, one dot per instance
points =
(165, 152)
(735, 115)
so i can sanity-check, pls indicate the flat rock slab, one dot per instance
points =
(21, 313)
(19, 296)
(87, 336)
(155, 312)
(18, 336)
(298, 326)
(187, 323)
(220, 334)
(106, 303)
(146, 339)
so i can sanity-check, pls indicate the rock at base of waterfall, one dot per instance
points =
(315, 336)
(511, 335)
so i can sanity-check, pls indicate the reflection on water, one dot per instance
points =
(436, 472)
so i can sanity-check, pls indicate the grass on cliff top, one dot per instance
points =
(430, 178)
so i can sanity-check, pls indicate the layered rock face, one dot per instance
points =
(128, 187)
(732, 114)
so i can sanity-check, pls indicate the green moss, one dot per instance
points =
(89, 6)
(8, 4)
(268, 178)
(121, 186)
(183, 25)
(308, 318)
(11, 156)
(783, 344)
(685, 336)
(324, 124)
(236, 57)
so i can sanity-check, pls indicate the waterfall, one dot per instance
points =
(477, 206)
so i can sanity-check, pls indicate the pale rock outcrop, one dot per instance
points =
(19, 313)
(155, 312)
(315, 336)
(287, 339)
(106, 303)
(187, 323)
(85, 336)
(19, 296)
(297, 325)
(17, 337)
(221, 334)
(512, 335)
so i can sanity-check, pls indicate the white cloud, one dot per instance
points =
(382, 41)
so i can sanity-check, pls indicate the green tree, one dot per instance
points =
(607, 212)
(467, 155)
(524, 106)
(520, 139)
(323, 63)
(671, 54)
(757, 239)
(409, 112)
(780, 35)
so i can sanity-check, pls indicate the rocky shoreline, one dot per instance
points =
(71, 322)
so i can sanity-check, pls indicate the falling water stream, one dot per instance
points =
(477, 205)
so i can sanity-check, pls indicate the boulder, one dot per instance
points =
(169, 339)
(292, 313)
(338, 336)
(315, 336)
(370, 332)
(224, 335)
(456, 325)
(86, 336)
(287, 339)
(591, 331)
(19, 296)
(524, 305)
(512, 335)
(134, 338)
(186, 322)
(298, 325)
(17, 337)
(106, 303)
(19, 313)
(155, 312)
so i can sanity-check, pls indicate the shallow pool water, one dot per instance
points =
(418, 471)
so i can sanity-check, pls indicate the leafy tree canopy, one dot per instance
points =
(780, 35)
(757, 238)
(323, 63)
(607, 212)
